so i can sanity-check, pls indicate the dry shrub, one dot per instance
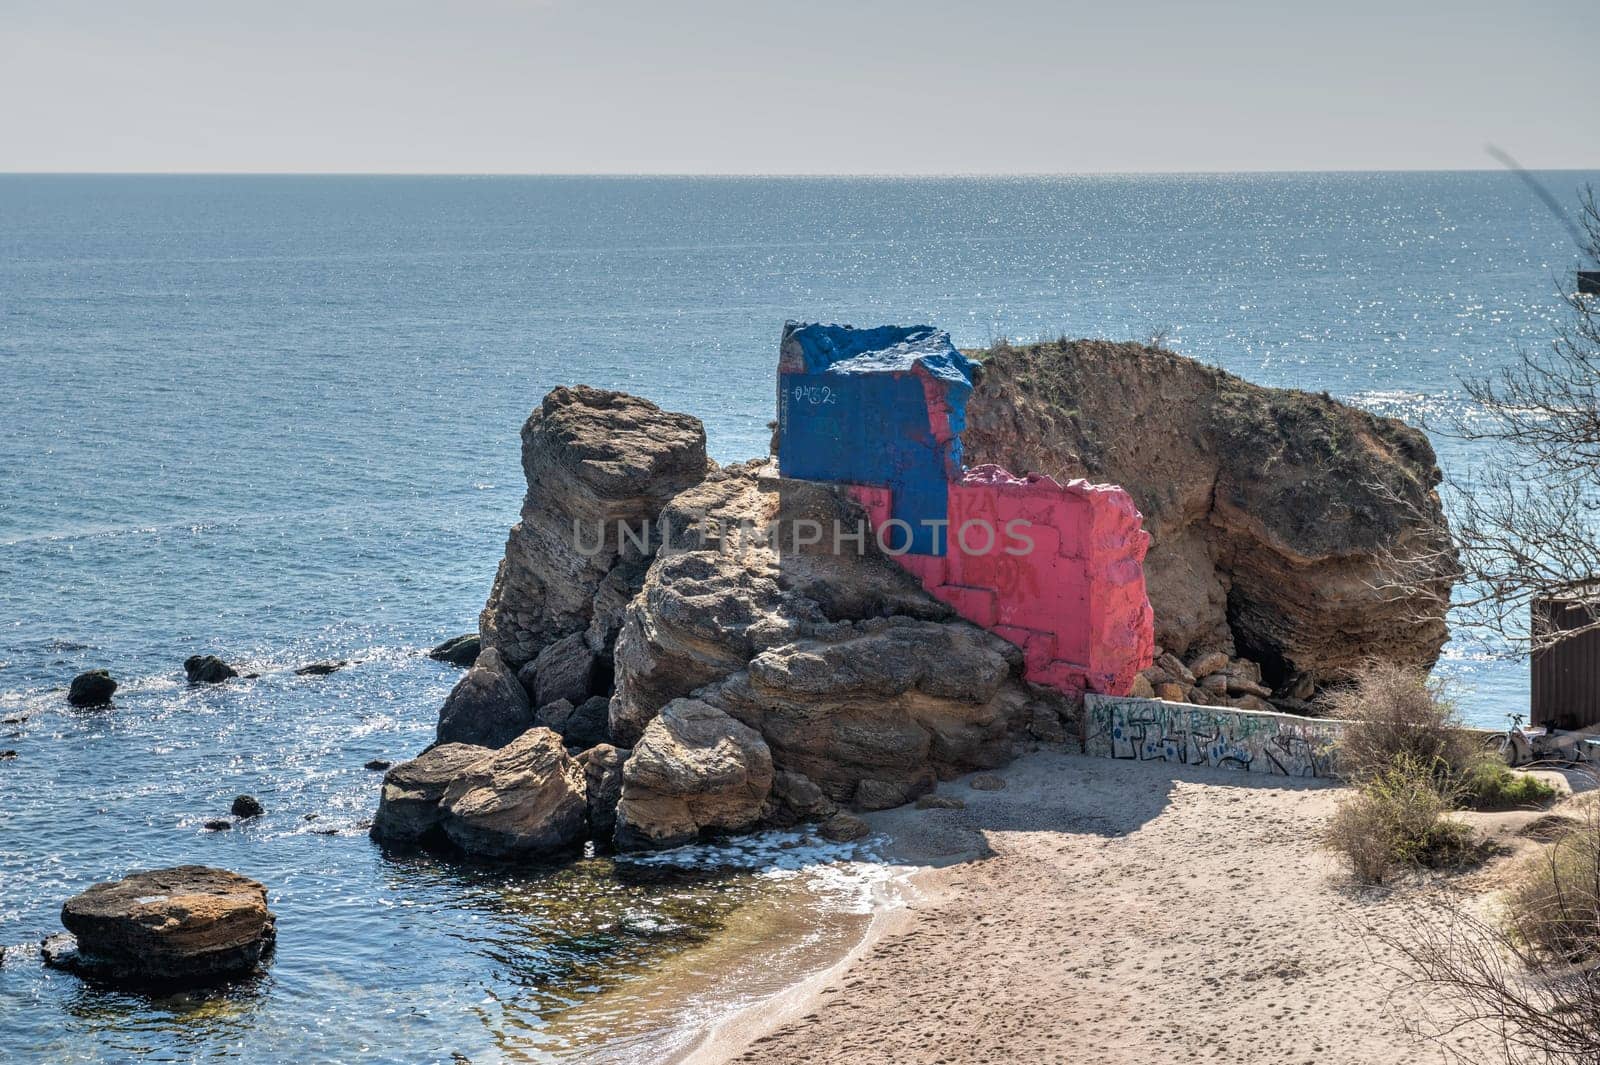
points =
(1491, 1000)
(1397, 712)
(1553, 906)
(1529, 985)
(1397, 822)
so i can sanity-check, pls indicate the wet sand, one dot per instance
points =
(1107, 911)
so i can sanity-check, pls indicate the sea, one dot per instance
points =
(276, 418)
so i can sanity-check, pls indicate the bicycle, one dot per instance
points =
(1518, 746)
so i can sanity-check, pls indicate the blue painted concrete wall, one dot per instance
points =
(853, 405)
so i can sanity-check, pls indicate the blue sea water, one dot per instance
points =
(276, 418)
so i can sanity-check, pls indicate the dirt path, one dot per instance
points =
(1103, 911)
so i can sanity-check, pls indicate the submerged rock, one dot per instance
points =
(408, 807)
(527, 799)
(91, 688)
(1271, 511)
(207, 669)
(488, 707)
(695, 770)
(186, 925)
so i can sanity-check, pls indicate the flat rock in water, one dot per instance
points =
(186, 925)
(207, 669)
(458, 650)
(320, 669)
(91, 688)
(377, 764)
(218, 825)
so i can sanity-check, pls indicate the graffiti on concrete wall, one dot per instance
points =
(1057, 569)
(1152, 730)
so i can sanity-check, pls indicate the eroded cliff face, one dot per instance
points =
(1270, 510)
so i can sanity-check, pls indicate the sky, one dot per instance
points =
(793, 87)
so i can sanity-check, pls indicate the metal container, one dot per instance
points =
(1566, 674)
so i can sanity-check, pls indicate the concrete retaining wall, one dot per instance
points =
(1152, 730)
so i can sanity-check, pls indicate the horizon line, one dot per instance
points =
(841, 175)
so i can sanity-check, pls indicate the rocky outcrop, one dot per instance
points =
(488, 707)
(185, 925)
(207, 669)
(1270, 510)
(593, 460)
(875, 712)
(528, 799)
(91, 688)
(408, 806)
(695, 771)
(722, 591)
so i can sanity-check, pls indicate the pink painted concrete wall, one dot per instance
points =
(1057, 569)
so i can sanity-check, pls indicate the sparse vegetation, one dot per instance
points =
(1553, 907)
(1397, 821)
(1397, 713)
(1529, 981)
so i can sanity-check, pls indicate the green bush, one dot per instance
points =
(1397, 821)
(1489, 784)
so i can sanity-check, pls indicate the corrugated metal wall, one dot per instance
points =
(1566, 677)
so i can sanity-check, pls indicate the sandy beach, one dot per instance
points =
(1107, 911)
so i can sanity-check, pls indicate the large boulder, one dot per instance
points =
(592, 459)
(1271, 511)
(567, 669)
(408, 806)
(528, 799)
(874, 712)
(186, 925)
(488, 706)
(694, 771)
(729, 584)
(581, 726)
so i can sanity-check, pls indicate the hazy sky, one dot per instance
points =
(798, 86)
